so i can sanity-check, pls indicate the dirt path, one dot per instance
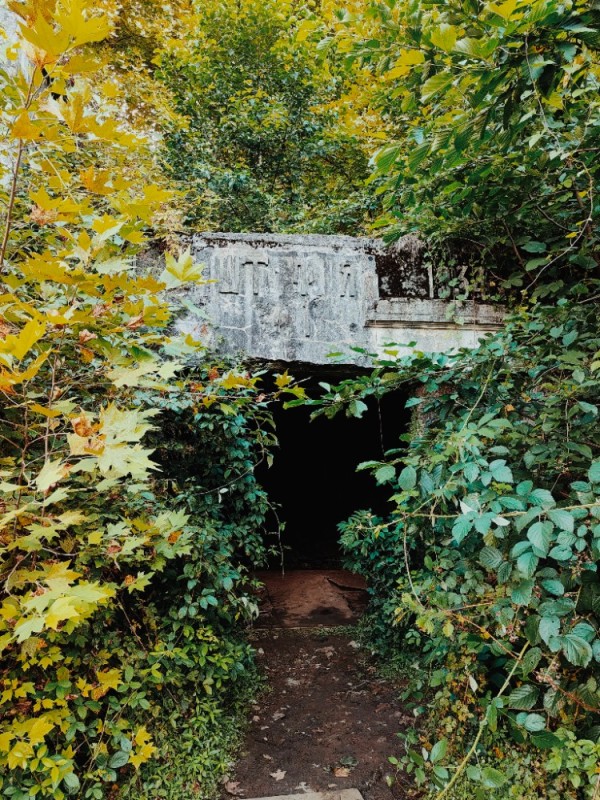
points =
(326, 720)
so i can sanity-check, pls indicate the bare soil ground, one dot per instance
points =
(311, 597)
(326, 720)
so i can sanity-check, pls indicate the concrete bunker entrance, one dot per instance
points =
(313, 481)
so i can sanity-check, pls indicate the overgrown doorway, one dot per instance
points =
(316, 457)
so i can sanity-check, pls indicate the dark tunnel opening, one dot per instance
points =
(313, 481)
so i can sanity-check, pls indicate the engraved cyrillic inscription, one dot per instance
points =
(347, 281)
(229, 275)
(261, 276)
(309, 279)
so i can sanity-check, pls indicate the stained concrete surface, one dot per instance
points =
(344, 794)
(279, 297)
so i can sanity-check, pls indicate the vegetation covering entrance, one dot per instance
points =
(125, 589)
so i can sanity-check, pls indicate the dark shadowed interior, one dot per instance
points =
(314, 481)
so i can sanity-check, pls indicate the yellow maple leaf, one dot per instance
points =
(96, 181)
(106, 223)
(108, 130)
(305, 29)
(142, 755)
(404, 63)
(23, 128)
(10, 378)
(180, 270)
(73, 113)
(154, 195)
(83, 63)
(52, 472)
(233, 381)
(283, 380)
(69, 518)
(110, 89)
(130, 376)
(47, 42)
(9, 608)
(43, 199)
(45, 412)
(142, 736)
(445, 37)
(504, 10)
(24, 689)
(79, 28)
(64, 206)
(60, 572)
(20, 344)
(61, 609)
(84, 445)
(135, 237)
(144, 747)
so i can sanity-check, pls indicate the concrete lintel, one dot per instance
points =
(291, 298)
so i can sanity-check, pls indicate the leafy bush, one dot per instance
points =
(492, 549)
(255, 145)
(123, 591)
(491, 110)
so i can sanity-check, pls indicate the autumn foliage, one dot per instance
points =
(88, 359)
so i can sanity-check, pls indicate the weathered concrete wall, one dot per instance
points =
(300, 298)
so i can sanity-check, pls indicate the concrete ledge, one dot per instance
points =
(397, 312)
(257, 240)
